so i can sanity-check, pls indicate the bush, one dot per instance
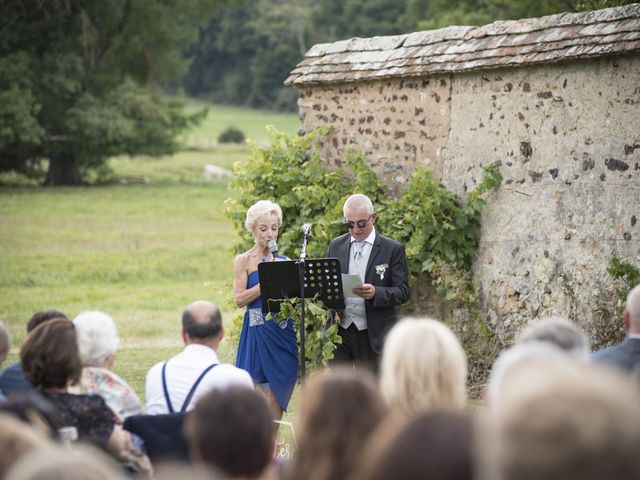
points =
(231, 135)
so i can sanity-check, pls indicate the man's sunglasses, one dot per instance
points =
(359, 223)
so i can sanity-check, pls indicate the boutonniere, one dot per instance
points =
(381, 270)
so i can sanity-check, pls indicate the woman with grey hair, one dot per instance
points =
(98, 342)
(267, 350)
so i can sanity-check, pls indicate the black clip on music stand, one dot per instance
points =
(283, 280)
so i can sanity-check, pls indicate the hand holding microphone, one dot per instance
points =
(273, 248)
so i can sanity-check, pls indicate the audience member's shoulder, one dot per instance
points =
(152, 371)
(605, 353)
(242, 376)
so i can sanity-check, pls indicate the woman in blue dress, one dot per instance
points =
(267, 350)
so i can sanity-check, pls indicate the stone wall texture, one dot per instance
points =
(567, 139)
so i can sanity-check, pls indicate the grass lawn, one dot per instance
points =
(251, 122)
(139, 251)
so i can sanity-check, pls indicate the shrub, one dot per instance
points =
(231, 135)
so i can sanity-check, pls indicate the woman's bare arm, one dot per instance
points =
(241, 294)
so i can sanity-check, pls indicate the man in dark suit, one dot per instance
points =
(380, 262)
(626, 355)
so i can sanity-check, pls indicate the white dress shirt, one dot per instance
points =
(181, 373)
(354, 310)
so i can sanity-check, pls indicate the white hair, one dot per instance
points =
(262, 209)
(513, 363)
(97, 337)
(560, 332)
(423, 367)
(358, 200)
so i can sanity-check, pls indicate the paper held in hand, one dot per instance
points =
(349, 282)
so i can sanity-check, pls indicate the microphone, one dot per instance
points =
(273, 248)
(306, 228)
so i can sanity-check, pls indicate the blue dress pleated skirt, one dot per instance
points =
(268, 352)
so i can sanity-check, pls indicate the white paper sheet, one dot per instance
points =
(350, 281)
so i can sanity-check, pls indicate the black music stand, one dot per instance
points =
(300, 279)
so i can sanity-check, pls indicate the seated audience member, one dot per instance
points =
(12, 378)
(437, 445)
(51, 362)
(560, 332)
(576, 423)
(232, 430)
(34, 410)
(625, 355)
(176, 385)
(17, 439)
(423, 367)
(83, 463)
(339, 412)
(5, 346)
(98, 342)
(512, 362)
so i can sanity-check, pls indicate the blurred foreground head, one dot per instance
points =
(84, 463)
(232, 430)
(423, 367)
(340, 409)
(569, 423)
(561, 333)
(437, 445)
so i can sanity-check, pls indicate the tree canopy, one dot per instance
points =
(249, 48)
(76, 80)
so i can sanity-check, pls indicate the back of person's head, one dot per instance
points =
(184, 471)
(437, 445)
(41, 317)
(5, 342)
(17, 439)
(560, 332)
(632, 310)
(97, 337)
(84, 463)
(511, 363)
(339, 411)
(50, 357)
(232, 430)
(580, 423)
(423, 366)
(202, 320)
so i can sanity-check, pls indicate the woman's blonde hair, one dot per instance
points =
(262, 209)
(423, 367)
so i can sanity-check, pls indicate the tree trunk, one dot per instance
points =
(63, 170)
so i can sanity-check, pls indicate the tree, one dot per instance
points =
(76, 80)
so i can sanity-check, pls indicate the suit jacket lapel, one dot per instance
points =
(375, 250)
(346, 250)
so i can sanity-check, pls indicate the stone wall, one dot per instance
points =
(567, 139)
(397, 124)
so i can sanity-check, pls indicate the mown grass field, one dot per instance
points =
(139, 251)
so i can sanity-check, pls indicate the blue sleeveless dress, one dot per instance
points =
(267, 351)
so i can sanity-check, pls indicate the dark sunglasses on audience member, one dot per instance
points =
(359, 223)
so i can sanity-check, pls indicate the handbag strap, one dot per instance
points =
(191, 391)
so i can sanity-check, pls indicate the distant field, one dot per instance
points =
(251, 122)
(139, 250)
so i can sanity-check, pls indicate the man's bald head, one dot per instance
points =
(202, 321)
(632, 310)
